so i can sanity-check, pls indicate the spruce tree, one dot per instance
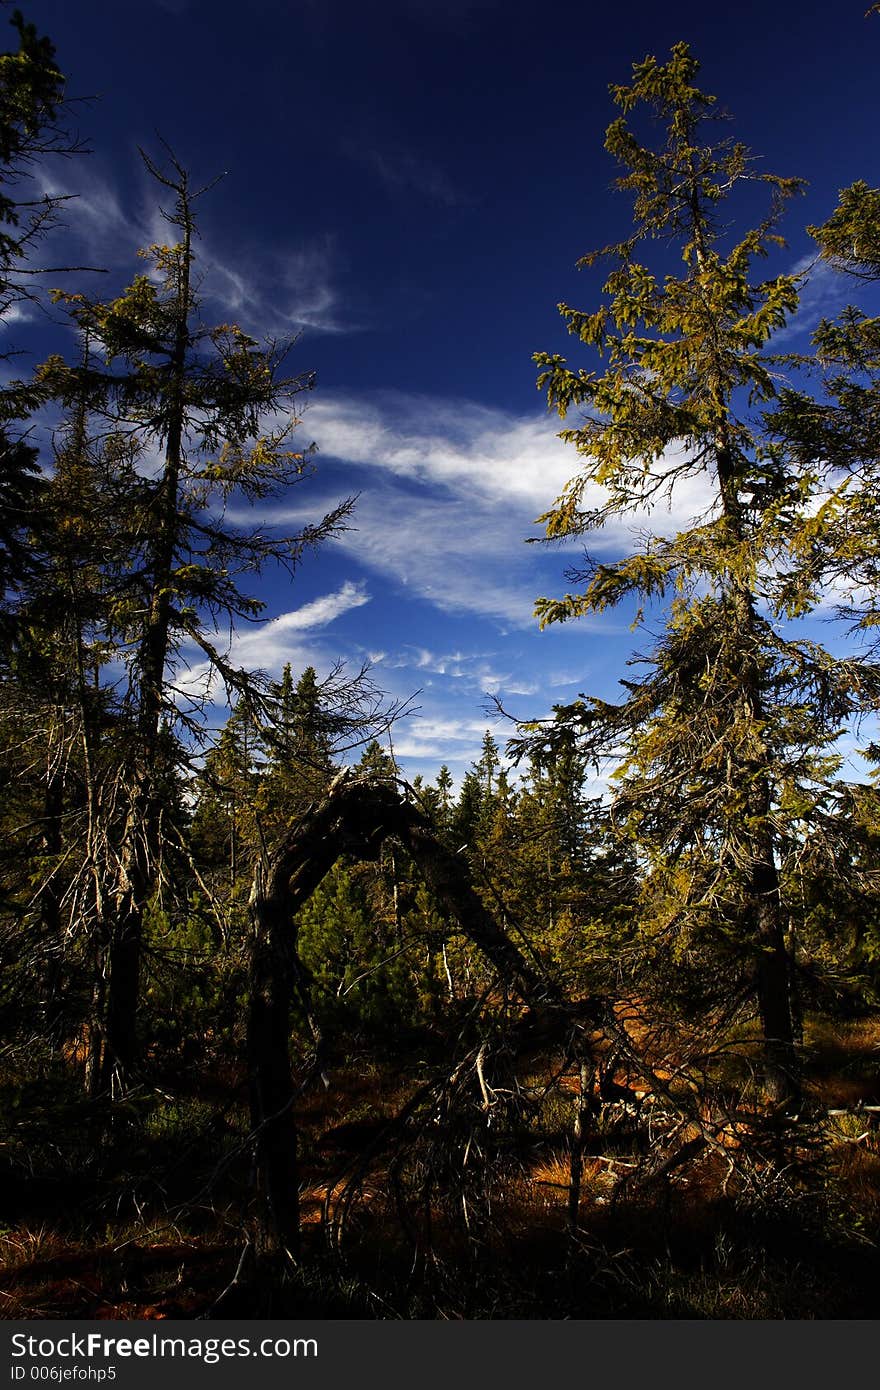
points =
(298, 735)
(488, 764)
(199, 397)
(444, 796)
(829, 426)
(223, 830)
(31, 100)
(727, 738)
(467, 812)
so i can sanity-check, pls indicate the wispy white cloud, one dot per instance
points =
(513, 461)
(16, 312)
(454, 492)
(319, 612)
(281, 292)
(402, 170)
(310, 296)
(473, 671)
(444, 551)
(565, 677)
(435, 737)
(453, 443)
(273, 644)
(824, 292)
(93, 218)
(822, 285)
(275, 293)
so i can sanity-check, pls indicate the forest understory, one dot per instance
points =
(149, 1218)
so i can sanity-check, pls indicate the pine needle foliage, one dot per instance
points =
(724, 747)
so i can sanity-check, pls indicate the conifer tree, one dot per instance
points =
(199, 397)
(828, 426)
(488, 764)
(375, 762)
(223, 828)
(444, 796)
(834, 432)
(67, 718)
(465, 818)
(727, 738)
(31, 98)
(298, 736)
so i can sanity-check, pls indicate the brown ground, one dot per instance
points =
(81, 1240)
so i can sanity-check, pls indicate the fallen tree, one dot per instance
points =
(357, 815)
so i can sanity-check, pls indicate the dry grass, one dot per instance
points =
(696, 1245)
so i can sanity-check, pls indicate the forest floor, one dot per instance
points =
(150, 1220)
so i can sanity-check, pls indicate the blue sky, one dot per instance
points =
(409, 184)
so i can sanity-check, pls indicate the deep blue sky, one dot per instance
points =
(410, 182)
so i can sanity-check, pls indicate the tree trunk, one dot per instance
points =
(578, 1140)
(763, 902)
(140, 852)
(355, 818)
(136, 872)
(271, 986)
(772, 979)
(766, 929)
(121, 1052)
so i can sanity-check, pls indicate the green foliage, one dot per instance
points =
(184, 560)
(299, 740)
(850, 239)
(362, 973)
(725, 747)
(223, 831)
(31, 92)
(195, 986)
(834, 432)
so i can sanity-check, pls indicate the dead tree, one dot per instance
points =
(356, 817)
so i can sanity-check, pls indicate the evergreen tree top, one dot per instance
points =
(684, 355)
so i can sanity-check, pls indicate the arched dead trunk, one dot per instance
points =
(355, 817)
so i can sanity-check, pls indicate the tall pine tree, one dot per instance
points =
(728, 737)
(198, 398)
